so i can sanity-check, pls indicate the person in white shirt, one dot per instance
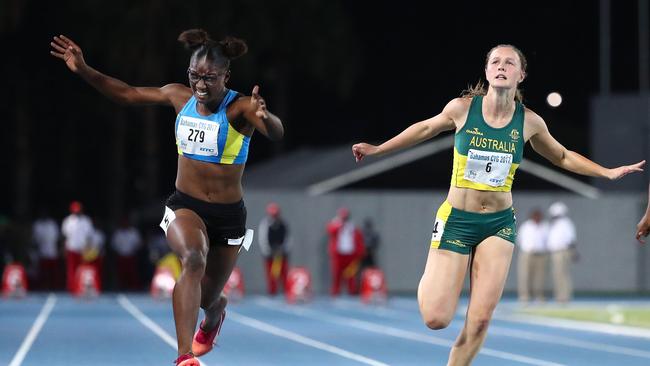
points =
(45, 234)
(126, 242)
(561, 243)
(532, 257)
(77, 230)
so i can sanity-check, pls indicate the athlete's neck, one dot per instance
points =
(498, 104)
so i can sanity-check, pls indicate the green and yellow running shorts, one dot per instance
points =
(460, 231)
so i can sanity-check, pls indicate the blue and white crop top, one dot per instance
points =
(210, 138)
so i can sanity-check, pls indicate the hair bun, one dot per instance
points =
(193, 38)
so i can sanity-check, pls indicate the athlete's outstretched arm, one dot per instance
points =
(643, 228)
(259, 116)
(117, 90)
(415, 133)
(547, 146)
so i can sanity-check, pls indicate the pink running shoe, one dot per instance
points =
(187, 360)
(204, 341)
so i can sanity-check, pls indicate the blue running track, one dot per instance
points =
(134, 329)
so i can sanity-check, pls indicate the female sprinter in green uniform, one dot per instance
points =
(491, 129)
(205, 218)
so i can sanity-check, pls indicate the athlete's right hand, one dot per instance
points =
(362, 149)
(69, 52)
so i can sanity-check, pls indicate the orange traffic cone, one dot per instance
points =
(14, 280)
(298, 287)
(373, 286)
(86, 282)
(162, 283)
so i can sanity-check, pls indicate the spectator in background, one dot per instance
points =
(126, 242)
(562, 245)
(346, 249)
(45, 236)
(77, 230)
(273, 238)
(643, 227)
(371, 240)
(532, 258)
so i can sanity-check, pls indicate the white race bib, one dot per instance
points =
(197, 136)
(438, 230)
(487, 167)
(168, 217)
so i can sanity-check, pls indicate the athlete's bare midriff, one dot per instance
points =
(210, 182)
(472, 200)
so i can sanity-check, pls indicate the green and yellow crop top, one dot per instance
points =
(486, 158)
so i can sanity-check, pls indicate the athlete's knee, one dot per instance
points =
(437, 323)
(477, 325)
(194, 261)
(436, 319)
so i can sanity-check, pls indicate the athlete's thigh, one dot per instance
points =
(187, 232)
(227, 233)
(488, 275)
(220, 263)
(442, 282)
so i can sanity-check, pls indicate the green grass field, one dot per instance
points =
(632, 316)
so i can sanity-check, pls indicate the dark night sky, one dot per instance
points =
(350, 71)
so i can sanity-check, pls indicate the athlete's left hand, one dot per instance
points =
(624, 170)
(258, 103)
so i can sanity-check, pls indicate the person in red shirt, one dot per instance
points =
(346, 249)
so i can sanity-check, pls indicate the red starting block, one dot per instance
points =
(298, 287)
(14, 281)
(162, 283)
(373, 286)
(234, 288)
(86, 281)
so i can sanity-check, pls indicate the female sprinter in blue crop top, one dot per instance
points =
(205, 218)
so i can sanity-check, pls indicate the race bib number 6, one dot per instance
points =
(197, 136)
(487, 167)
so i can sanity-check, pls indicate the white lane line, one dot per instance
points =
(382, 311)
(33, 331)
(618, 330)
(567, 341)
(521, 334)
(400, 333)
(147, 322)
(268, 328)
